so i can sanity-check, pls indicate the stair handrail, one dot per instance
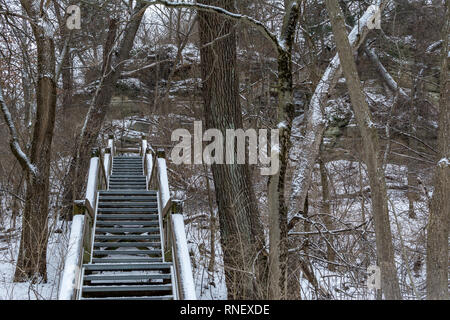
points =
(174, 245)
(180, 253)
(70, 282)
(82, 223)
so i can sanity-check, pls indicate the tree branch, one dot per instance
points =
(391, 83)
(316, 122)
(14, 143)
(252, 22)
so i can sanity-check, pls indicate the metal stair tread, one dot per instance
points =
(118, 266)
(127, 260)
(166, 297)
(127, 210)
(127, 229)
(128, 223)
(125, 216)
(126, 252)
(112, 288)
(126, 244)
(100, 277)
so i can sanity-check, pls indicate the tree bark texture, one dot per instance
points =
(438, 223)
(241, 230)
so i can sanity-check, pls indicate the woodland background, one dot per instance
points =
(309, 232)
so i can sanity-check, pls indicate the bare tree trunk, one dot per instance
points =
(67, 81)
(438, 223)
(28, 107)
(212, 224)
(278, 213)
(66, 63)
(241, 230)
(411, 165)
(32, 260)
(16, 206)
(326, 211)
(372, 154)
(26, 78)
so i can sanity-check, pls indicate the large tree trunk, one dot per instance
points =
(241, 230)
(438, 224)
(31, 262)
(112, 67)
(372, 155)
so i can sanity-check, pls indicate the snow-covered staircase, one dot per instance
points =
(126, 241)
(127, 258)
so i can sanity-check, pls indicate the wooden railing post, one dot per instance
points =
(152, 161)
(93, 180)
(176, 208)
(95, 153)
(107, 164)
(111, 145)
(143, 145)
(103, 179)
(163, 182)
(160, 153)
(79, 208)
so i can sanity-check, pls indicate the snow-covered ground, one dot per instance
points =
(9, 249)
(348, 282)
